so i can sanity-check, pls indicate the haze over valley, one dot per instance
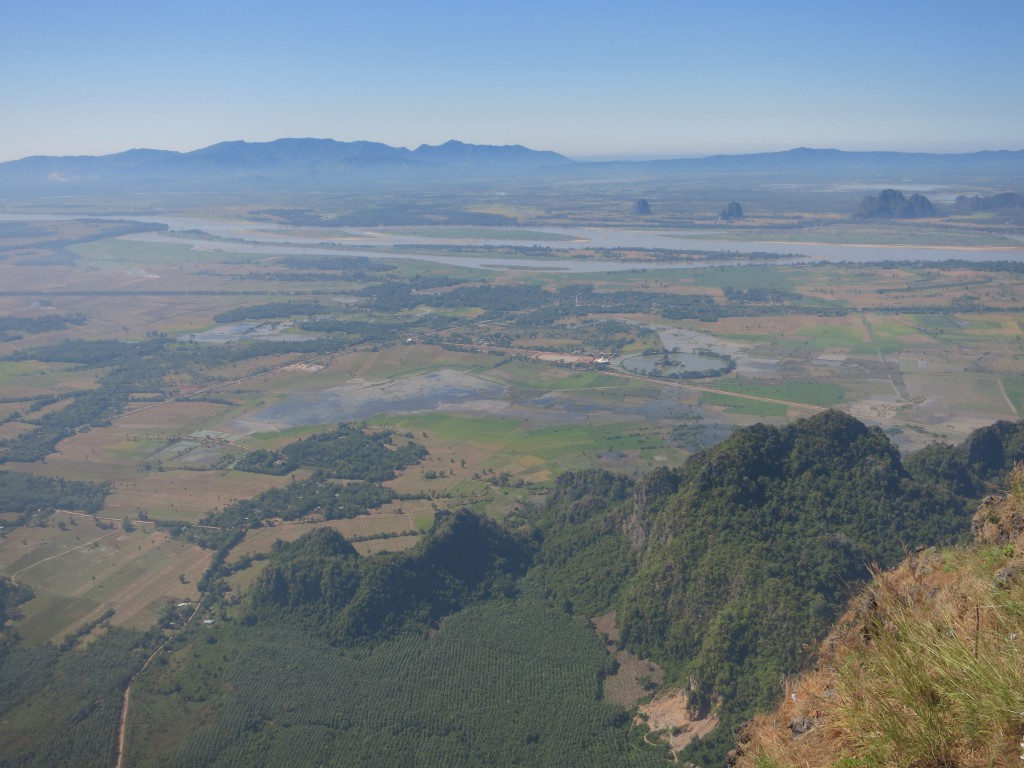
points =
(562, 385)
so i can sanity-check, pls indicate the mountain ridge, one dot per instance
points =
(328, 161)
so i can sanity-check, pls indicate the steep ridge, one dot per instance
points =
(924, 669)
(724, 569)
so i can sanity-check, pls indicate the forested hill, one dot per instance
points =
(463, 559)
(726, 568)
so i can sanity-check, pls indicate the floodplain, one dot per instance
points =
(510, 354)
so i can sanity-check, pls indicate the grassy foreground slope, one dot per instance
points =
(925, 669)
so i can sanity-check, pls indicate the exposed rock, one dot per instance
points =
(1009, 575)
(801, 725)
(997, 521)
(641, 207)
(891, 204)
(634, 530)
(731, 212)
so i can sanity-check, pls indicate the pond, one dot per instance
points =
(222, 334)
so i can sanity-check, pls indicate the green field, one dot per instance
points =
(807, 392)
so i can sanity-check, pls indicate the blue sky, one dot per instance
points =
(586, 79)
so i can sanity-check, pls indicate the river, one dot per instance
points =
(261, 238)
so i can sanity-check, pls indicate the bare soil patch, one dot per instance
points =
(634, 677)
(669, 717)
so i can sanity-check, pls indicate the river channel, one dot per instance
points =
(259, 238)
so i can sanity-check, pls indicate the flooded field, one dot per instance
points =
(358, 399)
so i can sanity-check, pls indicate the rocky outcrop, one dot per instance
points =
(974, 204)
(731, 212)
(641, 207)
(891, 204)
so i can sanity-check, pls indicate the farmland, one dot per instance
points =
(120, 374)
(499, 427)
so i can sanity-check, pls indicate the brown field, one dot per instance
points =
(186, 495)
(80, 572)
(12, 429)
(626, 686)
(174, 418)
(28, 380)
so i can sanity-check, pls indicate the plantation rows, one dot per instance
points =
(64, 711)
(501, 683)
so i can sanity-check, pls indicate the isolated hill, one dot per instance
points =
(891, 204)
(464, 558)
(731, 212)
(977, 466)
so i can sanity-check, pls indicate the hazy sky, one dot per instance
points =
(585, 78)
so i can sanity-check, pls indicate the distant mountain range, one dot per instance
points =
(325, 162)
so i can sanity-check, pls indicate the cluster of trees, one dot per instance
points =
(317, 496)
(63, 708)
(502, 683)
(346, 452)
(361, 265)
(26, 494)
(40, 324)
(12, 595)
(548, 307)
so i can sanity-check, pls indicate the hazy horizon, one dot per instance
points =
(587, 80)
(584, 158)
